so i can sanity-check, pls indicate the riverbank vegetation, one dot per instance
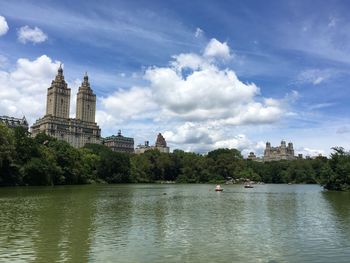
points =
(44, 160)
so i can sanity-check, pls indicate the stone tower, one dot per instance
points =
(267, 149)
(58, 97)
(290, 148)
(160, 142)
(86, 102)
(283, 148)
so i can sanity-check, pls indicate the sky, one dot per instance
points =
(206, 74)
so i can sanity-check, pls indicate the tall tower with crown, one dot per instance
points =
(86, 102)
(58, 97)
(57, 123)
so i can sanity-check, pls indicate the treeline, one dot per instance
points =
(44, 160)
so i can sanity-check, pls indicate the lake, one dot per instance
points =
(174, 223)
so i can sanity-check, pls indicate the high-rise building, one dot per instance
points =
(56, 123)
(58, 97)
(86, 102)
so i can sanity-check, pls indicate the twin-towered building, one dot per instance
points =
(57, 123)
(83, 129)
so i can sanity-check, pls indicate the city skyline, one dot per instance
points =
(228, 74)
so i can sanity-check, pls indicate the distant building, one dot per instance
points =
(56, 122)
(282, 152)
(251, 156)
(120, 143)
(12, 122)
(141, 148)
(160, 145)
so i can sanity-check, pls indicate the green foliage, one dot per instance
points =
(8, 169)
(111, 167)
(42, 170)
(336, 175)
(44, 160)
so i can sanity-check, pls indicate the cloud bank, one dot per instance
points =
(192, 99)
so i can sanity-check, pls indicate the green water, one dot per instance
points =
(174, 223)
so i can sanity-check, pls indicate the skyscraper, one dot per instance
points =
(79, 131)
(86, 102)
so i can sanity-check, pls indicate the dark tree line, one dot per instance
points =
(44, 160)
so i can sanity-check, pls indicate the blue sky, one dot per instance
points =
(296, 53)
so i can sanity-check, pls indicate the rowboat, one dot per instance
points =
(218, 188)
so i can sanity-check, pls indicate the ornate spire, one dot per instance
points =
(60, 70)
(59, 79)
(85, 84)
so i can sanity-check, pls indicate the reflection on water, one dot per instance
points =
(174, 223)
(46, 224)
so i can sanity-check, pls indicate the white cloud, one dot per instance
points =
(199, 32)
(27, 34)
(204, 137)
(321, 105)
(135, 103)
(242, 143)
(310, 152)
(23, 90)
(195, 89)
(315, 76)
(217, 49)
(3, 26)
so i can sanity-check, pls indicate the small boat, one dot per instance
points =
(248, 186)
(218, 188)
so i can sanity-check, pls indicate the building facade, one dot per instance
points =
(56, 122)
(119, 143)
(160, 145)
(282, 152)
(12, 122)
(251, 156)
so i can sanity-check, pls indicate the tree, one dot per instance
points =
(26, 147)
(338, 176)
(43, 170)
(8, 169)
